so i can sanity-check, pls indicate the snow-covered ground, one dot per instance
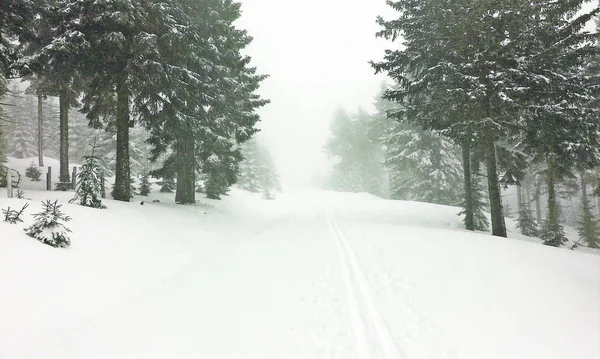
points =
(309, 275)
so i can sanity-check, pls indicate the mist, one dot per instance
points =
(316, 53)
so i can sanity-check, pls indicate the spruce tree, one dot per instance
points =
(145, 185)
(49, 226)
(356, 165)
(88, 191)
(455, 74)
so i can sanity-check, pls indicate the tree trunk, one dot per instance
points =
(538, 196)
(519, 199)
(64, 139)
(498, 225)
(598, 195)
(186, 170)
(468, 185)
(40, 132)
(122, 190)
(585, 203)
(552, 220)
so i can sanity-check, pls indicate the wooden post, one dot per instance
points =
(9, 192)
(103, 184)
(49, 179)
(74, 177)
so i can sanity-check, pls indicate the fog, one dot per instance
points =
(316, 53)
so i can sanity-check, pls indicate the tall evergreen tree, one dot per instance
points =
(202, 133)
(560, 96)
(455, 75)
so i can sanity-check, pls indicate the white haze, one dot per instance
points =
(316, 53)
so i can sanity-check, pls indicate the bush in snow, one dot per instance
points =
(89, 184)
(33, 172)
(20, 194)
(13, 216)
(49, 228)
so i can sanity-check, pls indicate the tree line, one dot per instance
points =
(485, 95)
(172, 68)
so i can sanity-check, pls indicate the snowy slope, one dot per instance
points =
(309, 275)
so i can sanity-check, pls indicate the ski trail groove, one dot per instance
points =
(359, 291)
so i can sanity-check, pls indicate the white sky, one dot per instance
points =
(317, 53)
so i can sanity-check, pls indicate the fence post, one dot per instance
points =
(103, 184)
(74, 178)
(9, 192)
(49, 179)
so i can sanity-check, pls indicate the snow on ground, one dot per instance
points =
(309, 275)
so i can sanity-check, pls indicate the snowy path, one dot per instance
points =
(322, 276)
(365, 317)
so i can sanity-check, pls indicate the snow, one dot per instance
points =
(309, 275)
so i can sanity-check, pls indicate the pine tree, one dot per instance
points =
(257, 171)
(88, 192)
(21, 125)
(526, 222)
(49, 227)
(455, 75)
(356, 165)
(145, 185)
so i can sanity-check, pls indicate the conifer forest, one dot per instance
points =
(489, 106)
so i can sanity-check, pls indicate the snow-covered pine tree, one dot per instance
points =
(526, 220)
(249, 177)
(559, 95)
(356, 166)
(424, 166)
(49, 226)
(257, 171)
(145, 185)
(21, 129)
(88, 191)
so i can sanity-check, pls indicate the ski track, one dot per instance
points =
(367, 321)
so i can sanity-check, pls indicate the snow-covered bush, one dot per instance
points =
(48, 227)
(33, 172)
(13, 216)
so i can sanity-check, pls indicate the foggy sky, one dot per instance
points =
(316, 53)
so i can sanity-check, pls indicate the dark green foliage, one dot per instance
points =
(63, 186)
(89, 184)
(13, 216)
(20, 194)
(480, 219)
(33, 172)
(49, 227)
(145, 185)
(167, 185)
(526, 221)
(588, 229)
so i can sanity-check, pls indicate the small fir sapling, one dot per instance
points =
(13, 216)
(49, 227)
